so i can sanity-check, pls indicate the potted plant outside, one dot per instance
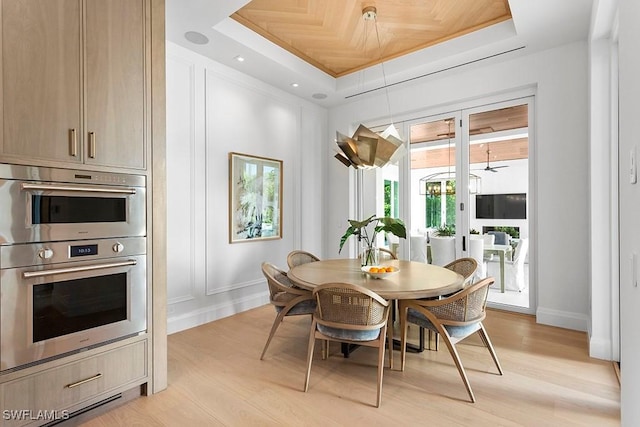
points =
(446, 230)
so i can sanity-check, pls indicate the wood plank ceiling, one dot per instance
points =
(333, 36)
(438, 132)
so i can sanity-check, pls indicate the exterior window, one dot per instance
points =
(439, 206)
(391, 198)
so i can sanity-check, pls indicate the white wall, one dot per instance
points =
(629, 93)
(213, 110)
(603, 245)
(560, 148)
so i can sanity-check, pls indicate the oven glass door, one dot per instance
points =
(48, 212)
(67, 307)
(50, 209)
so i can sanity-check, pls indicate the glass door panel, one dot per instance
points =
(498, 162)
(433, 210)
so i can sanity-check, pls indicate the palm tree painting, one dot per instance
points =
(255, 198)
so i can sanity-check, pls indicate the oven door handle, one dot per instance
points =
(79, 188)
(41, 273)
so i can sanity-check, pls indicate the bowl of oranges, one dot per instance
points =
(379, 271)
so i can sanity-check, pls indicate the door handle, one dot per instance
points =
(78, 188)
(92, 145)
(91, 267)
(73, 143)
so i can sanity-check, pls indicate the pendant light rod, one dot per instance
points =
(370, 13)
(367, 149)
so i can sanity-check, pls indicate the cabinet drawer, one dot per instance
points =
(61, 388)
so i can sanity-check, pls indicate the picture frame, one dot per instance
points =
(255, 198)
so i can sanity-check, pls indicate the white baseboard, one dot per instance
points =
(209, 314)
(562, 319)
(600, 348)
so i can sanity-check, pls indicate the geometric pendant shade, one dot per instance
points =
(367, 149)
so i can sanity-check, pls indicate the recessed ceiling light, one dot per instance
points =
(319, 95)
(239, 58)
(196, 37)
(294, 85)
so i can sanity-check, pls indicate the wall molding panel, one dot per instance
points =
(215, 110)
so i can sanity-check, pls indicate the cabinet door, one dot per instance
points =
(115, 83)
(41, 83)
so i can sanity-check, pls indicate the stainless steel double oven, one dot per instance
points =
(72, 261)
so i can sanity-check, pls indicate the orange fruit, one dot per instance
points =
(389, 269)
(373, 270)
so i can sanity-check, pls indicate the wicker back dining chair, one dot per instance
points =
(454, 318)
(466, 267)
(298, 257)
(383, 255)
(287, 299)
(350, 314)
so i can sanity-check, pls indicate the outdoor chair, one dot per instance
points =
(501, 238)
(514, 269)
(443, 250)
(476, 251)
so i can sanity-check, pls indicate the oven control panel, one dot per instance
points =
(49, 253)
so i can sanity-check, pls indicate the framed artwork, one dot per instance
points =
(255, 198)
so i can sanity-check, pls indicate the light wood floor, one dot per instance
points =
(217, 379)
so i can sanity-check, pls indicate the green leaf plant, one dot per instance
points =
(361, 229)
(446, 230)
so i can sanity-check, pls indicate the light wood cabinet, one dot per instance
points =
(58, 390)
(74, 82)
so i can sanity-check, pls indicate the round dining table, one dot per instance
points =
(412, 280)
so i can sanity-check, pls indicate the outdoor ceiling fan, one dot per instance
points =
(490, 168)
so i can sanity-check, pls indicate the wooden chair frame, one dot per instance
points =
(354, 324)
(383, 254)
(299, 257)
(282, 295)
(464, 308)
(466, 267)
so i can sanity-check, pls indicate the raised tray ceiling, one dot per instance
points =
(333, 36)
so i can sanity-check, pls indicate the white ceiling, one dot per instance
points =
(536, 25)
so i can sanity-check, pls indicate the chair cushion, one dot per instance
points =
(349, 334)
(304, 307)
(420, 319)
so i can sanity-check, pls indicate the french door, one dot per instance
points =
(469, 176)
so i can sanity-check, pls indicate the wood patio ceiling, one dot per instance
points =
(488, 122)
(333, 36)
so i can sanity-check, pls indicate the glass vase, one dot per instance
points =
(369, 255)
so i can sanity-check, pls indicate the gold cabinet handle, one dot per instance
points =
(73, 143)
(92, 145)
(76, 384)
